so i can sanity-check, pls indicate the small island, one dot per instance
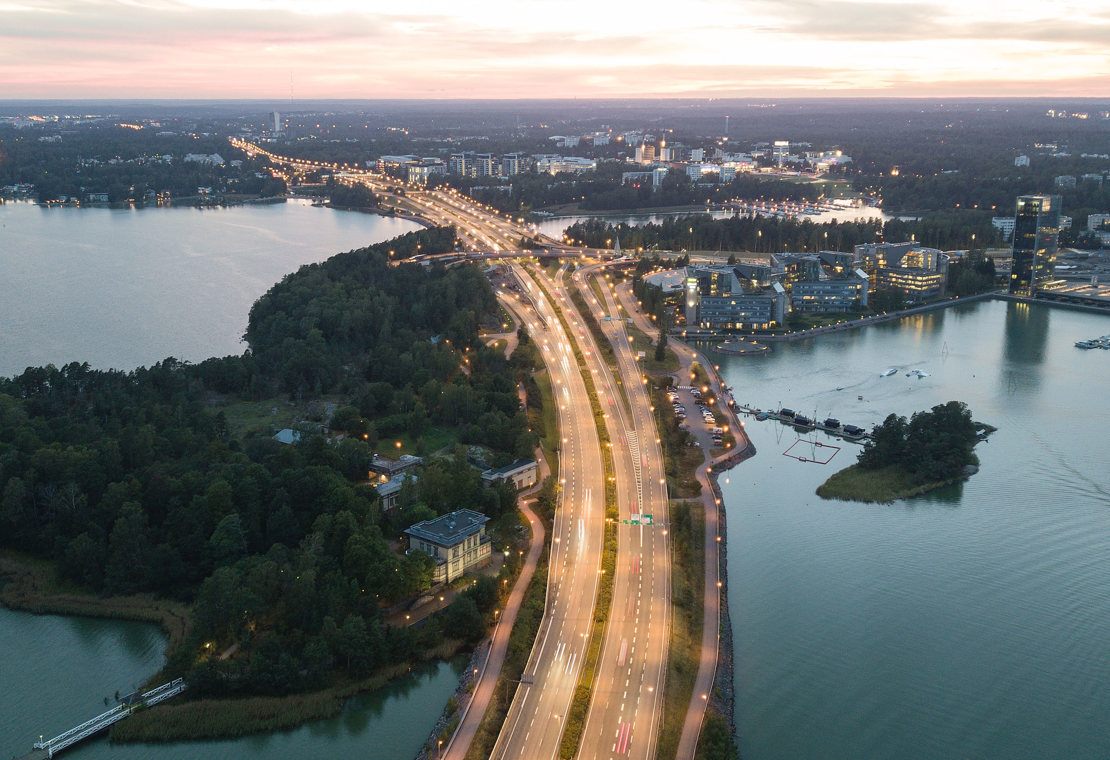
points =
(904, 458)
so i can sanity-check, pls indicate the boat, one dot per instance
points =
(889, 372)
(917, 373)
(1086, 344)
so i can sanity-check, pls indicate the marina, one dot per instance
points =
(830, 425)
(969, 621)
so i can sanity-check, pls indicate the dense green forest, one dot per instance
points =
(352, 196)
(126, 163)
(136, 482)
(760, 234)
(932, 446)
(602, 190)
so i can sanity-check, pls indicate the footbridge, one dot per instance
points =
(51, 747)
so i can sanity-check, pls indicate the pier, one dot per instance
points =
(51, 747)
(788, 417)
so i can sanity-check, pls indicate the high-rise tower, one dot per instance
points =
(1036, 237)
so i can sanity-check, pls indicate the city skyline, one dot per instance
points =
(279, 49)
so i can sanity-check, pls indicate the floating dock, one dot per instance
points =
(789, 417)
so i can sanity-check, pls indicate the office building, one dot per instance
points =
(456, 541)
(716, 300)
(1036, 236)
(461, 164)
(511, 164)
(383, 469)
(1094, 221)
(779, 151)
(829, 295)
(1004, 224)
(522, 473)
(390, 491)
(555, 164)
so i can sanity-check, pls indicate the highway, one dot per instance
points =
(627, 706)
(536, 718)
(626, 709)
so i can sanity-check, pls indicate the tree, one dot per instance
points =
(228, 542)
(128, 551)
(462, 620)
(887, 444)
(661, 346)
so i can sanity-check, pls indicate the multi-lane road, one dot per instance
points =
(626, 708)
(537, 716)
(627, 703)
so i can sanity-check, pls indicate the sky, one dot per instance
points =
(314, 49)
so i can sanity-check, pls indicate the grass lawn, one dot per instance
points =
(269, 414)
(688, 592)
(807, 321)
(641, 342)
(550, 442)
(882, 485)
(432, 440)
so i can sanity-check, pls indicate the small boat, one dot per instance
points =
(889, 372)
(917, 373)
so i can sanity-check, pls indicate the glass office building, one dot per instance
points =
(1036, 236)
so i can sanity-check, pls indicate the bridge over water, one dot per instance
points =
(51, 747)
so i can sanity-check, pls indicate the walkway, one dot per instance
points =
(51, 747)
(475, 709)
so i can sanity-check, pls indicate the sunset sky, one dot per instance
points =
(551, 48)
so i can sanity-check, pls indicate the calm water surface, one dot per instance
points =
(973, 622)
(57, 672)
(120, 288)
(123, 288)
(554, 226)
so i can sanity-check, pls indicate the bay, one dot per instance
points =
(554, 226)
(120, 288)
(57, 672)
(973, 621)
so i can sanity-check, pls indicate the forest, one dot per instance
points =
(125, 164)
(137, 482)
(931, 446)
(762, 235)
